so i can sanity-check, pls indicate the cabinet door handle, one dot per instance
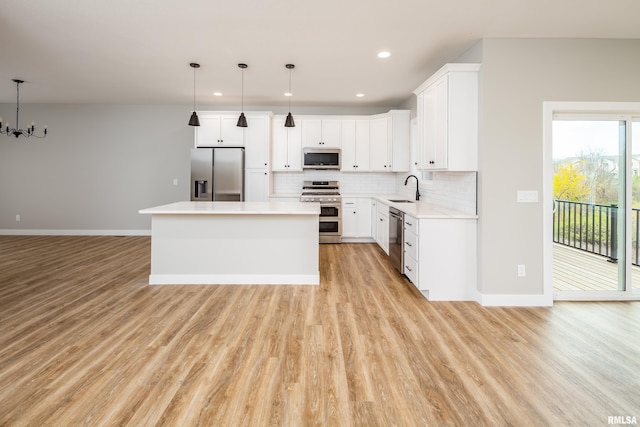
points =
(408, 244)
(408, 223)
(408, 268)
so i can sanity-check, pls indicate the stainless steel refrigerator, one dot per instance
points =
(217, 174)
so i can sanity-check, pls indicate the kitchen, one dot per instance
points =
(316, 144)
(87, 341)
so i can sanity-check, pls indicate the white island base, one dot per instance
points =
(234, 243)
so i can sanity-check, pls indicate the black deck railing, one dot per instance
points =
(593, 228)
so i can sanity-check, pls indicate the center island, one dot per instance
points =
(234, 243)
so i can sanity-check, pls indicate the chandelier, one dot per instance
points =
(16, 131)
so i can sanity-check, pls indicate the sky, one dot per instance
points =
(571, 137)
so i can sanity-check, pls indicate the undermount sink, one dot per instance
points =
(401, 201)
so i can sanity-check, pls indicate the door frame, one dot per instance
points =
(583, 108)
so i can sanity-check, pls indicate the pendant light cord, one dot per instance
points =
(290, 94)
(17, 105)
(194, 88)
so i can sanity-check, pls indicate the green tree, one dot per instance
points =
(569, 184)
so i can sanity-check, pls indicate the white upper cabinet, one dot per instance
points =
(355, 145)
(390, 142)
(320, 132)
(286, 147)
(218, 129)
(379, 145)
(448, 119)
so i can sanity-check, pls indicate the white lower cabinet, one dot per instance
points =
(445, 259)
(382, 226)
(374, 219)
(410, 250)
(356, 218)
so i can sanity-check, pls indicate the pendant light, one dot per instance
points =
(242, 120)
(194, 121)
(289, 123)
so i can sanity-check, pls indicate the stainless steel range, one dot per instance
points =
(327, 193)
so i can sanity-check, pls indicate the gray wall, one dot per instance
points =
(517, 76)
(100, 164)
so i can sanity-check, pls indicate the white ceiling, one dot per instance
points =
(138, 51)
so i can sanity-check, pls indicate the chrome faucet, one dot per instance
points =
(417, 185)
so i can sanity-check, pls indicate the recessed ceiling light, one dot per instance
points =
(359, 95)
(217, 93)
(384, 54)
(288, 94)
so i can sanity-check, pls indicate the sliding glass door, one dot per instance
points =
(596, 199)
(635, 196)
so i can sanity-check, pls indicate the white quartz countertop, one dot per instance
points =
(419, 209)
(235, 208)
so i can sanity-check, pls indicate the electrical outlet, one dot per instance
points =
(522, 272)
(175, 181)
(18, 218)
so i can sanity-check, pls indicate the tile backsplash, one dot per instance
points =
(290, 183)
(453, 190)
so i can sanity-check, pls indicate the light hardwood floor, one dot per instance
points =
(85, 341)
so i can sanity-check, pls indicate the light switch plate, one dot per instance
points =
(527, 196)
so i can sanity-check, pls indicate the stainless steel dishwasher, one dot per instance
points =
(396, 238)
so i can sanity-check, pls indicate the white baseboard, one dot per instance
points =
(502, 300)
(357, 240)
(234, 279)
(12, 232)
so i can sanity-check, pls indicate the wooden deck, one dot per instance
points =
(576, 270)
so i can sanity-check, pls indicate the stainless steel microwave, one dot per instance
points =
(320, 158)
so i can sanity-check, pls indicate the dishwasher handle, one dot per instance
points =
(396, 214)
